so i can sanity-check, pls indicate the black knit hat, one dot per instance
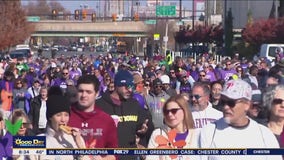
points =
(56, 104)
(123, 78)
(157, 81)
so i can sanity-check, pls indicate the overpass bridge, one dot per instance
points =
(55, 28)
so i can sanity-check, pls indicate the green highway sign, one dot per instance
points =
(166, 10)
(33, 18)
(150, 21)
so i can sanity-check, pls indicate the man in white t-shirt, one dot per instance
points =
(236, 129)
(202, 111)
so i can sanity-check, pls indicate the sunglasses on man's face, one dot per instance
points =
(229, 102)
(172, 111)
(196, 96)
(277, 101)
(129, 87)
(158, 86)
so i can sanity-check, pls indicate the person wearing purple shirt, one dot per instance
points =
(228, 72)
(6, 140)
(31, 75)
(194, 72)
(61, 81)
(210, 75)
(75, 72)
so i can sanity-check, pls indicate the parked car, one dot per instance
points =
(45, 48)
(25, 47)
(269, 50)
(17, 54)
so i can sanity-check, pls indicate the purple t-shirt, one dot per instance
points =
(226, 74)
(181, 136)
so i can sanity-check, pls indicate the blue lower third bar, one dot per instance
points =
(265, 151)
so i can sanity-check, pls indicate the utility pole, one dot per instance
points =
(118, 5)
(206, 19)
(131, 14)
(180, 10)
(98, 7)
(193, 19)
(156, 16)
(166, 37)
(193, 14)
(105, 9)
(224, 26)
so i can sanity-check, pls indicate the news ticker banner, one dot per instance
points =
(36, 145)
(40, 151)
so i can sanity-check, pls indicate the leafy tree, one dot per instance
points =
(202, 34)
(216, 34)
(14, 27)
(43, 9)
(264, 31)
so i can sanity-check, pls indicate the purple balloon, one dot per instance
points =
(140, 99)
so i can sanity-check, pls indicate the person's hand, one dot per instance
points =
(97, 158)
(78, 139)
(144, 127)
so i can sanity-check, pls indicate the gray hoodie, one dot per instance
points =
(155, 104)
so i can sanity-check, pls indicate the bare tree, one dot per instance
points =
(43, 9)
(14, 28)
(57, 6)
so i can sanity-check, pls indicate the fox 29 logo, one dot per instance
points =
(29, 141)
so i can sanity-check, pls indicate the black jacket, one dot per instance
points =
(131, 117)
(35, 105)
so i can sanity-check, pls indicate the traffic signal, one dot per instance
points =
(136, 17)
(76, 14)
(93, 17)
(54, 13)
(113, 16)
(84, 14)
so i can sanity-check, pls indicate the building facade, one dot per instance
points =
(260, 9)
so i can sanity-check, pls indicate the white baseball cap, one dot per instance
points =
(165, 79)
(236, 89)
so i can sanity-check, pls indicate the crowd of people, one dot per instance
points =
(130, 102)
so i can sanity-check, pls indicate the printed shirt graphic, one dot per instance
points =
(202, 118)
(226, 74)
